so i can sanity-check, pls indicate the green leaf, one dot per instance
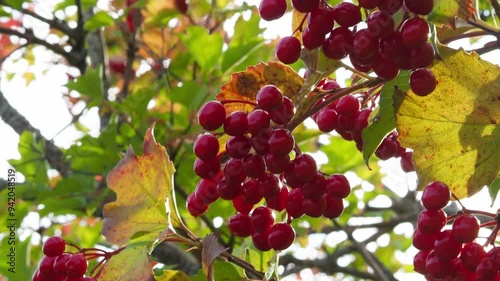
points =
(224, 271)
(383, 119)
(262, 261)
(205, 48)
(445, 11)
(494, 188)
(235, 55)
(89, 84)
(16, 4)
(132, 263)
(142, 185)
(32, 163)
(189, 94)
(455, 131)
(98, 20)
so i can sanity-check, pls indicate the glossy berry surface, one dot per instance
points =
(465, 228)
(288, 49)
(436, 196)
(337, 186)
(76, 266)
(281, 236)
(305, 6)
(211, 115)
(240, 225)
(422, 81)
(272, 9)
(236, 123)
(304, 167)
(347, 14)
(281, 142)
(327, 120)
(206, 146)
(431, 221)
(269, 97)
(54, 246)
(415, 32)
(420, 7)
(262, 219)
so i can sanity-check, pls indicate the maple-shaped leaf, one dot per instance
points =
(445, 12)
(131, 264)
(455, 131)
(142, 185)
(245, 85)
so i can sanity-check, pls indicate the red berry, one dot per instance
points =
(194, 206)
(211, 115)
(54, 246)
(294, 205)
(431, 221)
(486, 270)
(272, 9)
(206, 146)
(391, 6)
(283, 114)
(279, 201)
(281, 236)
(250, 192)
(261, 241)
(365, 44)
(233, 172)
(241, 206)
(406, 162)
(277, 164)
(46, 267)
(259, 141)
(419, 262)
(305, 6)
(207, 169)
(368, 4)
(76, 266)
(236, 123)
(337, 186)
(414, 32)
(422, 81)
(424, 241)
(361, 121)
(254, 165)
(181, 6)
(206, 191)
(333, 207)
(465, 228)
(315, 188)
(339, 43)
(327, 120)
(269, 185)
(305, 168)
(380, 23)
(60, 264)
(420, 7)
(422, 56)
(314, 208)
(348, 105)
(288, 49)
(228, 191)
(258, 120)
(281, 142)
(446, 247)
(262, 219)
(385, 68)
(269, 97)
(321, 20)
(238, 146)
(472, 254)
(240, 225)
(436, 268)
(312, 39)
(436, 196)
(347, 14)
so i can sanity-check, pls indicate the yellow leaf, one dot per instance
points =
(142, 184)
(299, 21)
(454, 131)
(131, 264)
(245, 85)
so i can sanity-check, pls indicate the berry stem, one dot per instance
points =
(478, 212)
(243, 264)
(299, 28)
(354, 70)
(335, 95)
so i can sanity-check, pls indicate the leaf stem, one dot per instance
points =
(243, 264)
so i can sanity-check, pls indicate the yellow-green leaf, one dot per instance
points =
(133, 263)
(172, 275)
(142, 185)
(455, 131)
(445, 11)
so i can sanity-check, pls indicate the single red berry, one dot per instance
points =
(327, 120)
(337, 186)
(269, 185)
(241, 206)
(277, 164)
(261, 241)
(279, 201)
(422, 81)
(46, 267)
(437, 268)
(321, 20)
(240, 225)
(420, 7)
(236, 123)
(422, 56)
(60, 264)
(472, 254)
(347, 14)
(305, 6)
(380, 23)
(423, 241)
(348, 105)
(415, 32)
(238, 146)
(206, 146)
(465, 228)
(385, 68)
(207, 169)
(233, 171)
(486, 270)
(419, 262)
(334, 207)
(294, 205)
(339, 44)
(312, 39)
(365, 44)
(269, 97)
(206, 191)
(283, 114)
(362, 119)
(436, 196)
(281, 142)
(54, 246)
(431, 221)
(391, 6)
(281, 236)
(304, 167)
(76, 266)
(288, 49)
(194, 206)
(406, 162)
(250, 192)
(315, 188)
(446, 247)
(211, 115)
(368, 4)
(272, 9)
(262, 219)
(228, 191)
(314, 208)
(258, 120)
(254, 165)
(259, 141)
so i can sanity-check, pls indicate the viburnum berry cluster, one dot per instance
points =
(348, 116)
(58, 265)
(255, 167)
(381, 44)
(453, 253)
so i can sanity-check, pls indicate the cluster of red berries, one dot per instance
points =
(256, 167)
(451, 254)
(58, 265)
(382, 47)
(348, 118)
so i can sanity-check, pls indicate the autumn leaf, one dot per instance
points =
(210, 251)
(454, 131)
(245, 85)
(131, 264)
(298, 23)
(142, 184)
(173, 275)
(445, 12)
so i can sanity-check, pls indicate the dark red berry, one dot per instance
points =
(261, 241)
(391, 6)
(365, 44)
(250, 192)
(194, 206)
(315, 188)
(437, 268)
(362, 119)
(321, 20)
(465, 228)
(258, 120)
(259, 141)
(305, 168)
(423, 241)
(281, 236)
(420, 7)
(240, 225)
(233, 171)
(305, 6)
(279, 201)
(422, 56)
(347, 14)
(254, 165)
(207, 169)
(54, 246)
(283, 114)
(277, 164)
(206, 146)
(422, 81)
(76, 266)
(348, 105)
(419, 262)
(228, 191)
(327, 120)
(415, 32)
(380, 24)
(337, 186)
(472, 254)
(446, 247)
(60, 264)
(312, 39)
(269, 97)
(314, 207)
(431, 221)
(241, 206)
(281, 142)
(406, 162)
(211, 115)
(368, 4)
(486, 270)
(181, 6)
(46, 267)
(269, 185)
(236, 123)
(385, 68)
(288, 49)
(238, 146)
(206, 191)
(333, 207)
(262, 219)
(272, 9)
(339, 44)
(294, 205)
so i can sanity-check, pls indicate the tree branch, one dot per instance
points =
(20, 124)
(172, 254)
